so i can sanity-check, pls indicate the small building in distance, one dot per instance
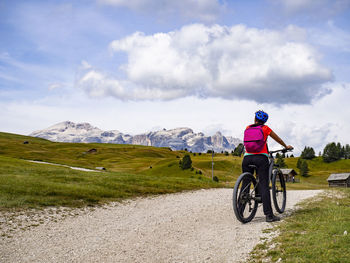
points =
(289, 175)
(339, 180)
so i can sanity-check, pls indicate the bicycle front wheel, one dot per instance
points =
(244, 201)
(279, 191)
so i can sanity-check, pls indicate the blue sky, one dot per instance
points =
(141, 65)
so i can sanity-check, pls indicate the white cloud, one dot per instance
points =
(320, 8)
(317, 124)
(331, 36)
(205, 10)
(229, 62)
(54, 86)
(312, 125)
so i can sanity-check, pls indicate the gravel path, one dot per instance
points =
(197, 226)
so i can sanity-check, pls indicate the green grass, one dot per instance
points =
(319, 172)
(25, 184)
(315, 233)
(128, 172)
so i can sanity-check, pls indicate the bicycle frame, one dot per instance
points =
(271, 168)
(271, 163)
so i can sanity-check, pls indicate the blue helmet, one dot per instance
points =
(261, 116)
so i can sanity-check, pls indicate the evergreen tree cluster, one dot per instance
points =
(238, 150)
(308, 153)
(335, 151)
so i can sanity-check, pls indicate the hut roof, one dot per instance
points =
(288, 171)
(335, 177)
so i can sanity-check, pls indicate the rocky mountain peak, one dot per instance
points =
(176, 139)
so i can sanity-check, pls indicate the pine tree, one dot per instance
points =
(331, 153)
(238, 150)
(299, 163)
(280, 162)
(339, 149)
(304, 169)
(347, 151)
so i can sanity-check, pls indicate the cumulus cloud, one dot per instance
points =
(301, 134)
(205, 10)
(229, 62)
(319, 8)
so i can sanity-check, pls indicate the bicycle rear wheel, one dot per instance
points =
(279, 191)
(244, 202)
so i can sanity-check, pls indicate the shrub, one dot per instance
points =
(215, 179)
(186, 162)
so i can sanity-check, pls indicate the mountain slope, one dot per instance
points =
(176, 139)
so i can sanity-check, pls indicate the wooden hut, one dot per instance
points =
(289, 175)
(339, 180)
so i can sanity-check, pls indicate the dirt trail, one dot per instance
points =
(197, 226)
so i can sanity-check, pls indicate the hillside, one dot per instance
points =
(128, 173)
(131, 170)
(176, 139)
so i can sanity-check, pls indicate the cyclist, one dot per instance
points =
(261, 161)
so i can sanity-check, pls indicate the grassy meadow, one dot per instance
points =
(318, 232)
(131, 171)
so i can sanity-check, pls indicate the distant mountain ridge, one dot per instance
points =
(176, 139)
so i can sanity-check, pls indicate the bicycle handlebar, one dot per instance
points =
(281, 150)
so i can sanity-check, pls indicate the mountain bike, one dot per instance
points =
(245, 193)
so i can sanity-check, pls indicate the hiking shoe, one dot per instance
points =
(272, 218)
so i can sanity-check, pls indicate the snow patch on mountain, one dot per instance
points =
(177, 139)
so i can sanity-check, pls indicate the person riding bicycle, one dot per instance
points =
(258, 157)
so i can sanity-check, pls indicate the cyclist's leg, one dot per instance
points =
(247, 160)
(246, 182)
(262, 163)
